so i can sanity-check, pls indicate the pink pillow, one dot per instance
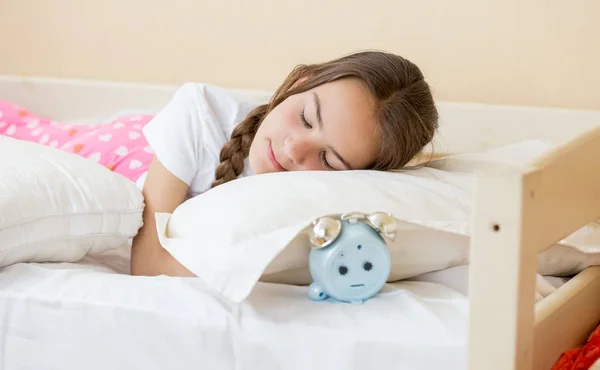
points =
(118, 145)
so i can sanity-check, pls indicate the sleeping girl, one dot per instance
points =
(368, 110)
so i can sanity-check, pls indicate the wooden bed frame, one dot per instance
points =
(519, 211)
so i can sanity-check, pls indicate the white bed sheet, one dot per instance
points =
(457, 278)
(91, 315)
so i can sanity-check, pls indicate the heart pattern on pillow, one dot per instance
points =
(118, 145)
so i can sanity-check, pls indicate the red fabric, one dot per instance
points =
(581, 358)
(567, 359)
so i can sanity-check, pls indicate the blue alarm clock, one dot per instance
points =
(349, 260)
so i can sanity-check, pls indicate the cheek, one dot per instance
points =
(285, 118)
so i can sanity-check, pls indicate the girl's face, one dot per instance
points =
(330, 127)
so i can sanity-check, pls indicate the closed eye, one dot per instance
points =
(324, 161)
(323, 155)
(304, 121)
(309, 126)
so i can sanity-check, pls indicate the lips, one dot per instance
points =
(273, 160)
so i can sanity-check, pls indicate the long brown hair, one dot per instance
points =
(405, 108)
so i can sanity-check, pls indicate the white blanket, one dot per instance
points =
(88, 316)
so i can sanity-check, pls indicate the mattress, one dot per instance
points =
(92, 315)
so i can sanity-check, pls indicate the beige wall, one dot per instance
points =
(534, 52)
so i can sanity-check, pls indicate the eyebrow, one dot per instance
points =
(320, 122)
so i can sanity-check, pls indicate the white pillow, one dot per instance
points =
(255, 227)
(57, 206)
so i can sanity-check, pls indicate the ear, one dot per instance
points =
(325, 231)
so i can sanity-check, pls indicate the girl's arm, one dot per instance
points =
(163, 192)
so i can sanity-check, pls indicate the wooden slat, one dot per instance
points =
(565, 187)
(565, 318)
(501, 278)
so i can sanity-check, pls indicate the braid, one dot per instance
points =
(235, 151)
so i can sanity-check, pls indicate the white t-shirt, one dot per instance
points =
(188, 133)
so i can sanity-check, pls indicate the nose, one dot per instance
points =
(298, 149)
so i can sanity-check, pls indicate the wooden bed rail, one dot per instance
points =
(565, 318)
(519, 212)
(573, 171)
